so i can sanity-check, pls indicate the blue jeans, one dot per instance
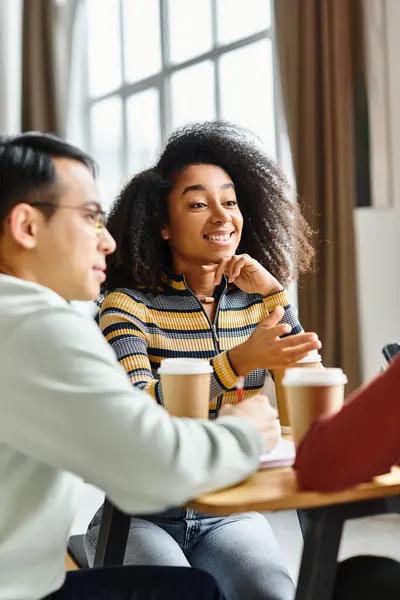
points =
(240, 551)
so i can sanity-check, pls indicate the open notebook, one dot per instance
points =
(283, 455)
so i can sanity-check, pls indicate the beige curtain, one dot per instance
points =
(47, 33)
(318, 45)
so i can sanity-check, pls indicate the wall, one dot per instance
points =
(10, 72)
(377, 242)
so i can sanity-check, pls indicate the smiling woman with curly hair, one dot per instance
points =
(274, 231)
(207, 240)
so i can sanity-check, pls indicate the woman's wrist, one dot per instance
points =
(273, 288)
(239, 359)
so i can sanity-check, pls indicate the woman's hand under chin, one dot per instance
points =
(246, 273)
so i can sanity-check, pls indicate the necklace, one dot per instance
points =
(206, 299)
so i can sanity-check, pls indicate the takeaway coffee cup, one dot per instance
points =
(311, 393)
(311, 361)
(186, 386)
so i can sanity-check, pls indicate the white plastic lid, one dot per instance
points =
(312, 357)
(314, 377)
(185, 366)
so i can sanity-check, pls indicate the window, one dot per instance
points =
(153, 65)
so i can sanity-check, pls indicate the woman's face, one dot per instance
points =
(204, 220)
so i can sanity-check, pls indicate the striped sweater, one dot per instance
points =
(145, 327)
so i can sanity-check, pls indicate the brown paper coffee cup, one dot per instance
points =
(186, 386)
(311, 361)
(311, 393)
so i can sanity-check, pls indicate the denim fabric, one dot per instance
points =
(240, 551)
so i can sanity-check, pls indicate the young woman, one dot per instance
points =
(207, 240)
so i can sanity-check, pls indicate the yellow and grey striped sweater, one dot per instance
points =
(145, 327)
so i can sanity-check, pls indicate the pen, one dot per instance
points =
(239, 389)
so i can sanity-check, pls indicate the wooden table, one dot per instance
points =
(324, 517)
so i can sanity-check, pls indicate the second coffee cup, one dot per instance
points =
(311, 393)
(186, 386)
(311, 361)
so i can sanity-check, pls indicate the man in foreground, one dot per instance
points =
(68, 411)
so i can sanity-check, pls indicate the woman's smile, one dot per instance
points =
(220, 237)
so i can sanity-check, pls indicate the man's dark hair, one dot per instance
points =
(27, 171)
(274, 230)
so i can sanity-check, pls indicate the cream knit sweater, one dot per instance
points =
(68, 413)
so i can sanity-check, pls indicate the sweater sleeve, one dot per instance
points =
(67, 403)
(360, 442)
(123, 323)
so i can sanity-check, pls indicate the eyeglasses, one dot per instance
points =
(95, 215)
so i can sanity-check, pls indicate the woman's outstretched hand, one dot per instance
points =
(267, 349)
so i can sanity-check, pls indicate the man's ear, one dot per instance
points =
(22, 223)
(165, 233)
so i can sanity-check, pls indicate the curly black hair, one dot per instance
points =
(274, 231)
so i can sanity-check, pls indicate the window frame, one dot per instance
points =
(162, 80)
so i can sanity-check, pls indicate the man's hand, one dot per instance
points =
(262, 416)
